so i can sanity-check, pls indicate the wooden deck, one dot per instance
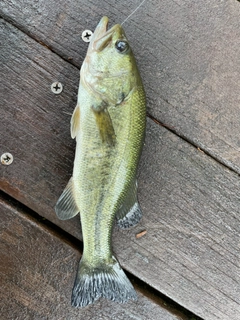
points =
(187, 265)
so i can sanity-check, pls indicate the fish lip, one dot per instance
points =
(100, 30)
(102, 36)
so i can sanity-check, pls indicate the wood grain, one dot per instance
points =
(188, 55)
(37, 273)
(190, 202)
(34, 121)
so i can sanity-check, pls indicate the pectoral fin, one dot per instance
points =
(66, 207)
(75, 121)
(104, 124)
(130, 212)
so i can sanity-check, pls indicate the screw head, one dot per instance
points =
(56, 87)
(87, 35)
(6, 158)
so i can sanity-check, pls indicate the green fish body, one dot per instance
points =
(109, 126)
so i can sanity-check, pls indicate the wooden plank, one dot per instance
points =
(191, 249)
(35, 122)
(188, 55)
(37, 273)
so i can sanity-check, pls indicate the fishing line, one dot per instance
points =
(133, 12)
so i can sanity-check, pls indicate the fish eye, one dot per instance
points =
(121, 46)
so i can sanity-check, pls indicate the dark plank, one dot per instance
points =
(191, 249)
(188, 54)
(35, 119)
(38, 270)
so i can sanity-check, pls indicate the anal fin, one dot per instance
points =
(130, 212)
(66, 207)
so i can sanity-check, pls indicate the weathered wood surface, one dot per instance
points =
(188, 55)
(190, 202)
(37, 273)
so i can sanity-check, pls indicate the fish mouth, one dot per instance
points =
(102, 36)
(101, 29)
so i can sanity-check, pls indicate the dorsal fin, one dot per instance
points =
(130, 212)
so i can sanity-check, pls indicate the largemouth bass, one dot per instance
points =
(109, 126)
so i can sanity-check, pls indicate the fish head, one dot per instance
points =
(109, 68)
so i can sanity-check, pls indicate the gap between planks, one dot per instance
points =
(200, 147)
(25, 31)
(157, 297)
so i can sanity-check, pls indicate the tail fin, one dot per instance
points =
(107, 281)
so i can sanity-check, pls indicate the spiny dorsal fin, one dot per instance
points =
(130, 212)
(75, 121)
(66, 207)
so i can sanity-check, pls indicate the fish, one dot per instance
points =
(108, 124)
